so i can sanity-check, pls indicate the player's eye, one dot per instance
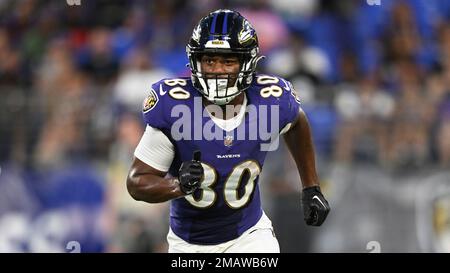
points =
(207, 59)
(231, 61)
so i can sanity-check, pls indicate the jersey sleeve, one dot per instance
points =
(274, 90)
(153, 110)
(289, 106)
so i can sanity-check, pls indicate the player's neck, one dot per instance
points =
(235, 104)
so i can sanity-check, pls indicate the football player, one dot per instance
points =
(213, 182)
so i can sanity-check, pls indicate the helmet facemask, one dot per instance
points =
(222, 88)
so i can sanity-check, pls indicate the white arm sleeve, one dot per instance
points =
(155, 149)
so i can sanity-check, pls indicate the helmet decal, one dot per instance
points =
(247, 32)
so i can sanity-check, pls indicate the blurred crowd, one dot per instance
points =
(374, 80)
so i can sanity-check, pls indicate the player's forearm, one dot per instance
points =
(152, 189)
(300, 144)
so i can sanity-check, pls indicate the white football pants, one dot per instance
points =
(259, 238)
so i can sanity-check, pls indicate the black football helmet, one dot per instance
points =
(223, 32)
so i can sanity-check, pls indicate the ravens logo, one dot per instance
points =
(150, 101)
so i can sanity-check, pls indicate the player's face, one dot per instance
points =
(220, 66)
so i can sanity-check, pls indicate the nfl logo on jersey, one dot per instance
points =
(228, 141)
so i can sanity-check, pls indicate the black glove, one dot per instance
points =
(191, 174)
(315, 206)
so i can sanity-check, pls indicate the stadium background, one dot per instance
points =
(374, 80)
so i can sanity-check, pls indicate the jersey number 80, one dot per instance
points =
(231, 186)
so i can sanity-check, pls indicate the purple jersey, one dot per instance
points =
(228, 202)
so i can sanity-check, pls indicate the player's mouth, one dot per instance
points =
(229, 78)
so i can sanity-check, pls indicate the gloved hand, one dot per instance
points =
(315, 206)
(191, 174)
